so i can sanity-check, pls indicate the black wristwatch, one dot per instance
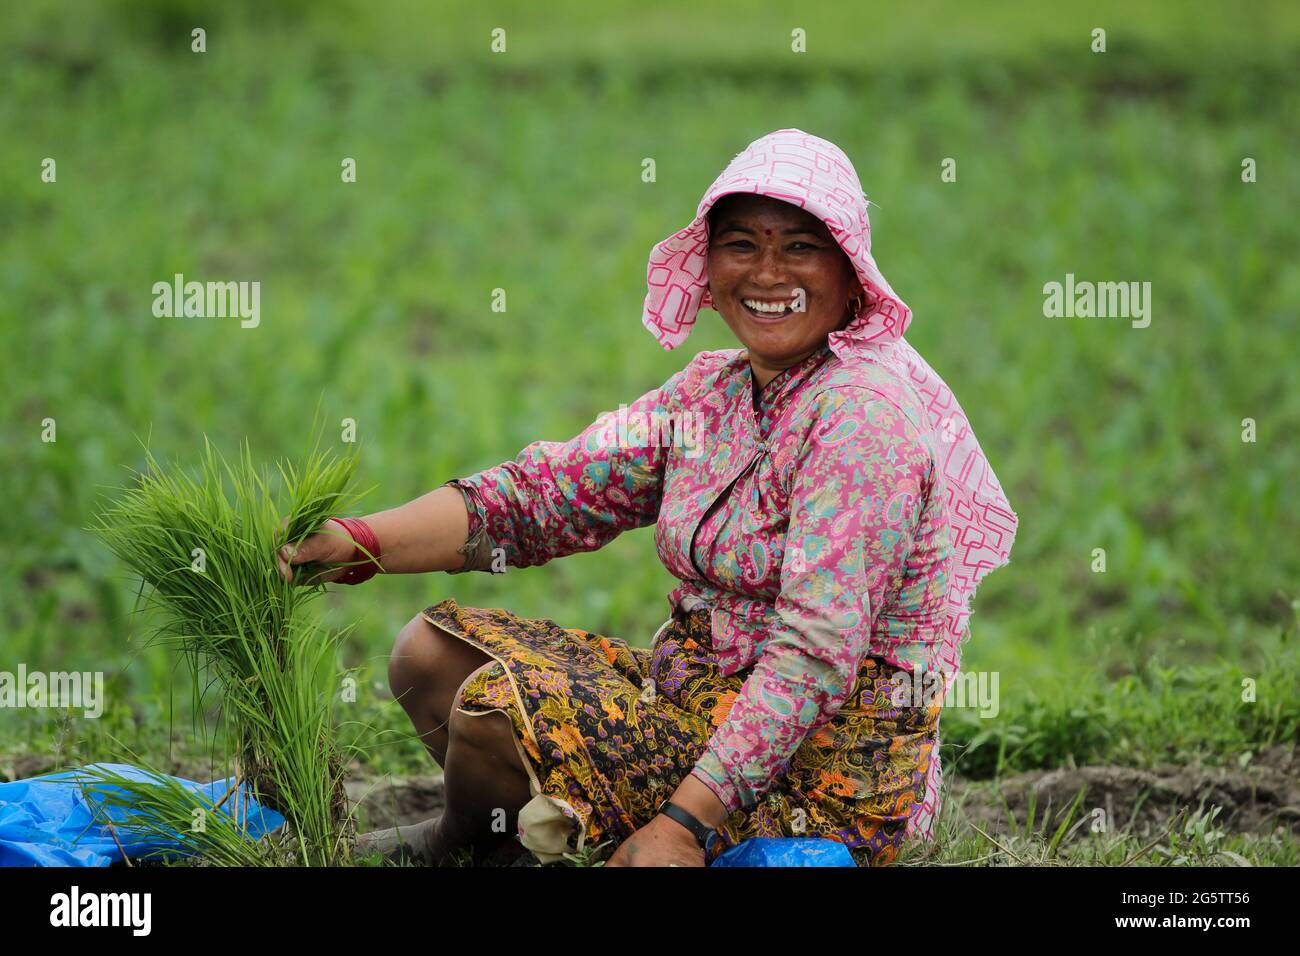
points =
(704, 834)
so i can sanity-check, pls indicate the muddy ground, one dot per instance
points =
(389, 802)
(1256, 798)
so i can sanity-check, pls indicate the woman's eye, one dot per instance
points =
(745, 245)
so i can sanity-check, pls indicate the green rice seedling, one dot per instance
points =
(162, 809)
(204, 547)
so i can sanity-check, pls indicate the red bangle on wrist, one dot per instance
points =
(366, 551)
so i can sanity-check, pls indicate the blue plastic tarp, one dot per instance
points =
(48, 821)
(787, 851)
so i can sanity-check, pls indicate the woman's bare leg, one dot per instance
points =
(425, 672)
(486, 783)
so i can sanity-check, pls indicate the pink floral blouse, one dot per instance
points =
(804, 518)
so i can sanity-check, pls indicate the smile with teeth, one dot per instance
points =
(767, 309)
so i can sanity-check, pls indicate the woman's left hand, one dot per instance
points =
(661, 842)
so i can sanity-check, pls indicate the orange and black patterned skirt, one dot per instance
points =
(608, 731)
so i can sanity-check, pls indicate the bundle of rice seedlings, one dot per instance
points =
(161, 811)
(204, 547)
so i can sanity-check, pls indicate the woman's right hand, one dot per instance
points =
(331, 545)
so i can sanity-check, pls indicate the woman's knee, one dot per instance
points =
(412, 654)
(428, 664)
(416, 659)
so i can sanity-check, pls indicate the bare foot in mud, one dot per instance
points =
(416, 844)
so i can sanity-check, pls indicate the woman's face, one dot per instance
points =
(763, 252)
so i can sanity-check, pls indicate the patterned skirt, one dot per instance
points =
(607, 731)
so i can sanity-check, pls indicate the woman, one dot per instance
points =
(826, 509)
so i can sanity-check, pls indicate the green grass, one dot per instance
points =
(1166, 713)
(522, 172)
(1190, 838)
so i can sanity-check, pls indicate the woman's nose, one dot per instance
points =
(770, 270)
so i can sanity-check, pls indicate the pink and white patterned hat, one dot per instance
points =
(815, 174)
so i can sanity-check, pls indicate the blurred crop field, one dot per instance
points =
(522, 171)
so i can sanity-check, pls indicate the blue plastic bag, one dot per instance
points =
(787, 851)
(46, 821)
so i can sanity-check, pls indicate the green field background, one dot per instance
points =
(522, 171)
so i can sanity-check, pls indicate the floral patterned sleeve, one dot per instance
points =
(560, 498)
(860, 482)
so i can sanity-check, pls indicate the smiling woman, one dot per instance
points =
(812, 531)
(779, 279)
